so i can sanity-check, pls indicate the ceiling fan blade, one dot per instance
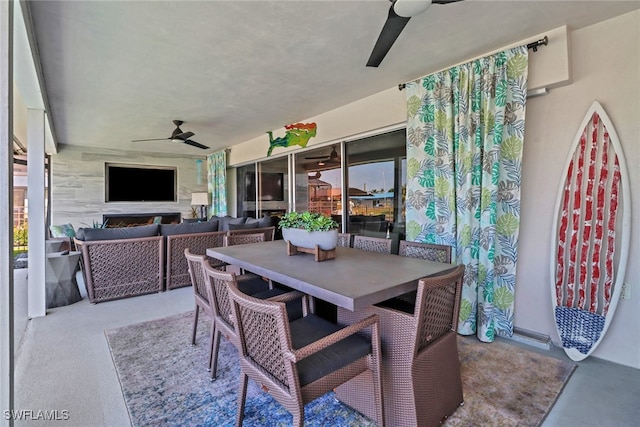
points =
(184, 135)
(152, 139)
(317, 157)
(392, 28)
(195, 144)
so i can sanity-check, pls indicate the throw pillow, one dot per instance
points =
(91, 234)
(188, 228)
(63, 230)
(245, 226)
(223, 222)
(263, 222)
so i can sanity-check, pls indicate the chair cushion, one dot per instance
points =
(188, 228)
(294, 308)
(91, 234)
(246, 225)
(311, 328)
(252, 284)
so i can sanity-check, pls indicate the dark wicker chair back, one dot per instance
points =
(122, 268)
(217, 285)
(197, 264)
(421, 367)
(344, 240)
(177, 274)
(372, 244)
(243, 239)
(428, 251)
(292, 364)
(269, 232)
(437, 307)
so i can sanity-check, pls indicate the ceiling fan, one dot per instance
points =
(177, 136)
(324, 160)
(399, 14)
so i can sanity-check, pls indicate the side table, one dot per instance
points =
(60, 278)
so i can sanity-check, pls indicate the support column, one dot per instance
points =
(6, 213)
(36, 196)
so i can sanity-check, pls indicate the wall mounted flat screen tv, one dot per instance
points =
(140, 183)
(271, 186)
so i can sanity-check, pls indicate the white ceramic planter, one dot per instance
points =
(326, 240)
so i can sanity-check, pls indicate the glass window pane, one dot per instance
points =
(267, 194)
(376, 181)
(319, 182)
(273, 186)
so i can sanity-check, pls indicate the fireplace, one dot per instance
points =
(132, 219)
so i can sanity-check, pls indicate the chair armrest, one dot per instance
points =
(291, 296)
(333, 338)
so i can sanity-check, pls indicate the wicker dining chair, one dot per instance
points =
(344, 240)
(298, 362)
(420, 355)
(197, 264)
(243, 239)
(218, 283)
(428, 251)
(269, 232)
(372, 244)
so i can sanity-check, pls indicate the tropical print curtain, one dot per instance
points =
(465, 132)
(217, 182)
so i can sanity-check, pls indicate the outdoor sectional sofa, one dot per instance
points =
(130, 261)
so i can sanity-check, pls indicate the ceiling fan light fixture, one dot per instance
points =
(410, 8)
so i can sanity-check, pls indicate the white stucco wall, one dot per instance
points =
(604, 61)
(605, 67)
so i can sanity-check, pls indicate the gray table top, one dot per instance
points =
(353, 280)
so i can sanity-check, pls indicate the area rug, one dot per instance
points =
(165, 382)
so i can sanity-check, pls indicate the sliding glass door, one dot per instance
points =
(374, 171)
(263, 188)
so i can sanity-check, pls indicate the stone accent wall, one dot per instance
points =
(78, 184)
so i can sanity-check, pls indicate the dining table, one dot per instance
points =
(354, 279)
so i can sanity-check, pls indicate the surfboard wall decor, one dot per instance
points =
(592, 230)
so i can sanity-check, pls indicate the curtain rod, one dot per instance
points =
(533, 45)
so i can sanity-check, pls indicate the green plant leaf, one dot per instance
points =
(310, 221)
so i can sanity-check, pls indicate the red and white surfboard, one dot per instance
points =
(591, 235)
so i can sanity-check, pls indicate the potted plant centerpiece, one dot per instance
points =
(309, 229)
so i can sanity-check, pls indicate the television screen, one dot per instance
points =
(127, 183)
(271, 186)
